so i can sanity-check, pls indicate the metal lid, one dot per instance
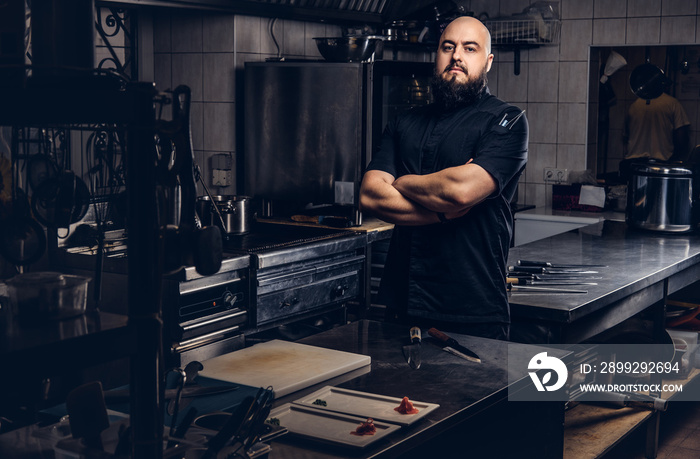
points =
(661, 169)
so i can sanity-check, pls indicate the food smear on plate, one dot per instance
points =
(319, 402)
(406, 407)
(365, 428)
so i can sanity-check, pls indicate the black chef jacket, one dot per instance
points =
(454, 271)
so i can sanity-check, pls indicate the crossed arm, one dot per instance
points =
(416, 199)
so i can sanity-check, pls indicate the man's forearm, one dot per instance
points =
(379, 198)
(451, 190)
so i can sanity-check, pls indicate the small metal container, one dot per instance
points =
(663, 197)
(236, 212)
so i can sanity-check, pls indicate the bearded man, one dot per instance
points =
(445, 174)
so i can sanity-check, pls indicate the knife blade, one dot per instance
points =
(546, 264)
(534, 289)
(520, 281)
(412, 352)
(543, 277)
(541, 270)
(453, 347)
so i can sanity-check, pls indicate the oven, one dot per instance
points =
(206, 316)
(297, 272)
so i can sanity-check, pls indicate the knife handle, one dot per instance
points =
(415, 334)
(542, 264)
(516, 281)
(527, 269)
(437, 334)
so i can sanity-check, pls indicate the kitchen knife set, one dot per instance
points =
(536, 277)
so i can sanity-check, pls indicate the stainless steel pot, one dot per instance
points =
(663, 197)
(236, 213)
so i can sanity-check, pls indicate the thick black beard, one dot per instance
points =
(449, 94)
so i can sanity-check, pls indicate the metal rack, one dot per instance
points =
(537, 25)
(509, 32)
(132, 108)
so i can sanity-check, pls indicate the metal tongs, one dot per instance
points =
(198, 177)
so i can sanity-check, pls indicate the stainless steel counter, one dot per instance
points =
(642, 269)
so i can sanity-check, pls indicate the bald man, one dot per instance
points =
(445, 174)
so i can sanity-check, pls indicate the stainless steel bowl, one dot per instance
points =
(347, 49)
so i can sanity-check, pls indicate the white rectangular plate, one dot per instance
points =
(364, 404)
(327, 426)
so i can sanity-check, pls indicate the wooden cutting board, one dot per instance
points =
(286, 366)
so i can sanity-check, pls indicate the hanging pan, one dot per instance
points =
(647, 81)
(60, 201)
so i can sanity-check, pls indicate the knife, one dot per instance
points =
(453, 347)
(520, 281)
(541, 270)
(122, 395)
(545, 264)
(547, 277)
(533, 289)
(412, 351)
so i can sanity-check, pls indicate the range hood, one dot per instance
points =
(332, 11)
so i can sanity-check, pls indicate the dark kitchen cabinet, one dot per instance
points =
(95, 101)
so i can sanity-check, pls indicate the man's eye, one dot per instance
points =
(448, 48)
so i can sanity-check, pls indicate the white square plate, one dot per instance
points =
(364, 404)
(327, 426)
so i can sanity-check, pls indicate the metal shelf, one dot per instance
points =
(516, 34)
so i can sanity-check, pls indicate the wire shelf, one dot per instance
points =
(535, 31)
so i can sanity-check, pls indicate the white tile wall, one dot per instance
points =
(607, 8)
(677, 29)
(639, 8)
(217, 33)
(543, 78)
(678, 7)
(609, 31)
(643, 31)
(573, 82)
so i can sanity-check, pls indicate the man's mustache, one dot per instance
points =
(455, 66)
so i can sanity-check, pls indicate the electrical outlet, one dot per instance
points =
(552, 174)
(221, 178)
